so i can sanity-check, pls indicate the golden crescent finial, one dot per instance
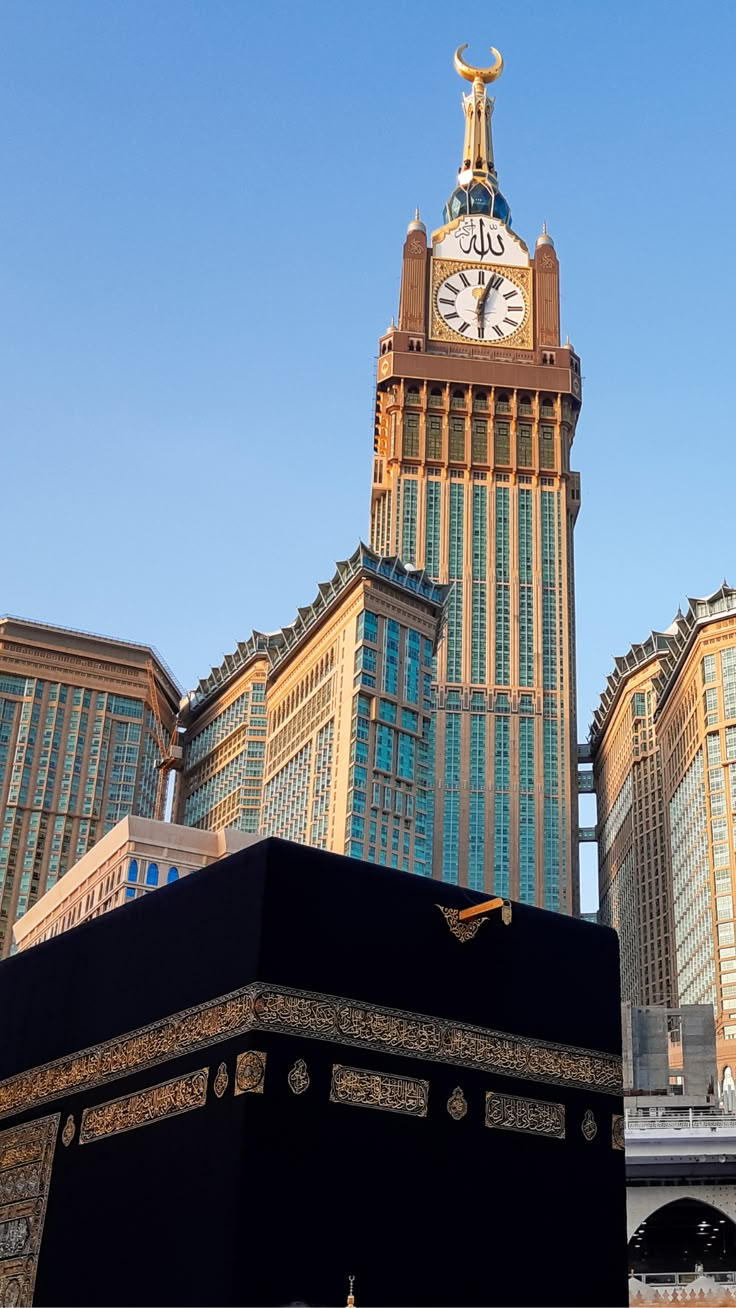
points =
(484, 74)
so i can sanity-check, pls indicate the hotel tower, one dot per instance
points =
(477, 401)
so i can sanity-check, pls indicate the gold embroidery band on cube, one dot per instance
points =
(617, 1131)
(144, 1107)
(279, 1009)
(250, 1072)
(533, 1116)
(26, 1158)
(395, 1094)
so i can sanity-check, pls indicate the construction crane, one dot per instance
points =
(171, 754)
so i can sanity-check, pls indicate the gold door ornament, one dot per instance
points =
(298, 1077)
(250, 1072)
(589, 1126)
(457, 1104)
(220, 1083)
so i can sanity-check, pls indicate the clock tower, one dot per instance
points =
(477, 401)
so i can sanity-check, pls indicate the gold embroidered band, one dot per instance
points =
(396, 1094)
(26, 1157)
(279, 1009)
(145, 1106)
(535, 1116)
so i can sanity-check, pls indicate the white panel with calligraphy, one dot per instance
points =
(480, 240)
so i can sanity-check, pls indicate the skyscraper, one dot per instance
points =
(477, 402)
(634, 882)
(319, 732)
(81, 723)
(664, 749)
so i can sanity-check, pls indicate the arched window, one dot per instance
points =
(502, 403)
(152, 874)
(133, 869)
(172, 875)
(412, 395)
(435, 397)
(457, 400)
(480, 400)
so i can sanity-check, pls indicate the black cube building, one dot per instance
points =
(292, 1067)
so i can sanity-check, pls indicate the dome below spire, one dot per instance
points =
(416, 225)
(545, 238)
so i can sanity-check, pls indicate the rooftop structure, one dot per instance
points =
(136, 857)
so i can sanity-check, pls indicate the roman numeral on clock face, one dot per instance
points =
(444, 299)
(514, 308)
(513, 322)
(481, 276)
(497, 329)
(465, 280)
(463, 327)
(448, 316)
(495, 282)
(509, 295)
(455, 289)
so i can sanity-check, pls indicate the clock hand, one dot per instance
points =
(481, 295)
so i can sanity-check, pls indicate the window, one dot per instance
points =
(434, 436)
(479, 443)
(502, 442)
(457, 440)
(133, 869)
(152, 874)
(172, 875)
(524, 445)
(546, 446)
(412, 395)
(411, 435)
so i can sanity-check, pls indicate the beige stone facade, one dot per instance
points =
(696, 727)
(136, 857)
(633, 866)
(82, 719)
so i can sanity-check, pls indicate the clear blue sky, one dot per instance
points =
(203, 208)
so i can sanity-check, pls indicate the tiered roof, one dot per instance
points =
(672, 646)
(278, 645)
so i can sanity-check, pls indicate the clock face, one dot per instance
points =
(480, 304)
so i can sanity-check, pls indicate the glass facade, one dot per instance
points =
(494, 522)
(224, 760)
(694, 944)
(74, 760)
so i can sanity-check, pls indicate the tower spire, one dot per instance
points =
(477, 191)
